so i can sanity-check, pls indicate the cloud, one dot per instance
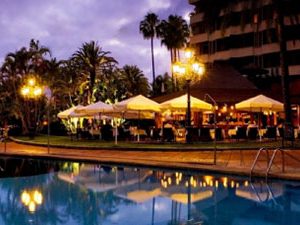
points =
(64, 25)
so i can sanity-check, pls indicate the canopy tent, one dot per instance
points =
(70, 112)
(95, 108)
(180, 104)
(259, 103)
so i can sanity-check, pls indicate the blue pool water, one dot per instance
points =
(43, 192)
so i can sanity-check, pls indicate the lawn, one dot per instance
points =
(66, 141)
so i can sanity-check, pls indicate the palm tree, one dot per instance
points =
(70, 75)
(93, 61)
(148, 29)
(17, 65)
(135, 81)
(174, 34)
(163, 84)
(112, 88)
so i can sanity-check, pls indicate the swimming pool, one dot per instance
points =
(47, 192)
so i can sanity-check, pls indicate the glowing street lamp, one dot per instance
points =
(31, 91)
(188, 68)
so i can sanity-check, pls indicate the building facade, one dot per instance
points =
(246, 37)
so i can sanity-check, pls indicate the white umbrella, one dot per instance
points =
(180, 104)
(70, 112)
(95, 108)
(139, 104)
(260, 103)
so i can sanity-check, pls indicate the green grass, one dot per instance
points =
(233, 144)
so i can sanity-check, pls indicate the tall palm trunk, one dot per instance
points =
(172, 61)
(283, 61)
(24, 121)
(153, 64)
(91, 85)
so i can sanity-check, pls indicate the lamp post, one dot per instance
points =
(188, 68)
(215, 125)
(31, 91)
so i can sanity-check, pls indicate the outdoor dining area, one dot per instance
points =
(140, 119)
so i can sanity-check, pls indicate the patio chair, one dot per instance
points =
(155, 134)
(107, 133)
(219, 134)
(168, 134)
(241, 133)
(193, 134)
(252, 133)
(271, 133)
(72, 133)
(121, 134)
(280, 130)
(205, 134)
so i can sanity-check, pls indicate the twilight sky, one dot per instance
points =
(63, 25)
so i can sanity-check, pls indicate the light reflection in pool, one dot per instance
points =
(80, 193)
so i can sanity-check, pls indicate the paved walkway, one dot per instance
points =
(228, 161)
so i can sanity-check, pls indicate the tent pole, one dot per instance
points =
(138, 133)
(259, 124)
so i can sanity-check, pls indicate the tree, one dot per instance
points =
(135, 81)
(112, 88)
(174, 34)
(148, 27)
(93, 61)
(163, 84)
(15, 69)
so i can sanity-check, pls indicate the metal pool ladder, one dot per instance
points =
(269, 160)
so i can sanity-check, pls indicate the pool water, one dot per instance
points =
(47, 192)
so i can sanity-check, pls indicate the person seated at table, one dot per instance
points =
(94, 131)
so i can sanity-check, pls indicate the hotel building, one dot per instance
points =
(248, 42)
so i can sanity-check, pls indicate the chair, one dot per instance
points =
(180, 134)
(168, 134)
(204, 134)
(241, 133)
(271, 133)
(280, 130)
(107, 133)
(193, 134)
(219, 134)
(72, 133)
(155, 134)
(252, 133)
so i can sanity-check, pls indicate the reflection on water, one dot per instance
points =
(78, 193)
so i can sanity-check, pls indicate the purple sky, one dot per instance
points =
(63, 25)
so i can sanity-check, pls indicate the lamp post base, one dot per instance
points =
(188, 136)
